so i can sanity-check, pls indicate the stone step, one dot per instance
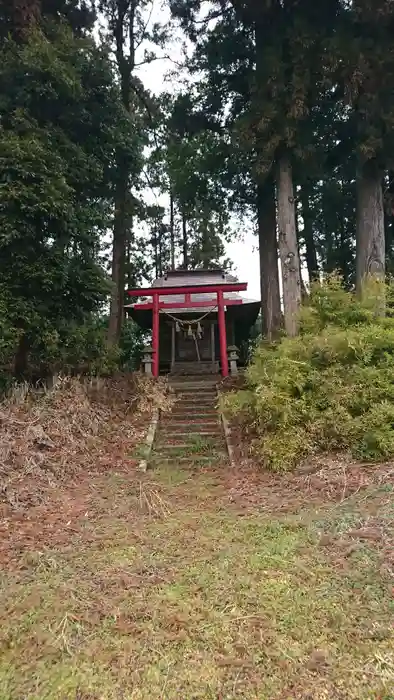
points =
(196, 398)
(191, 392)
(180, 450)
(194, 394)
(211, 379)
(187, 384)
(180, 435)
(198, 379)
(186, 448)
(189, 438)
(192, 460)
(195, 416)
(189, 369)
(192, 433)
(192, 410)
(194, 381)
(187, 427)
(192, 421)
(190, 428)
(165, 447)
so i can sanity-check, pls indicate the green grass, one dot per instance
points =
(185, 599)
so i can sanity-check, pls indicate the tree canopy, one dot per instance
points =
(283, 121)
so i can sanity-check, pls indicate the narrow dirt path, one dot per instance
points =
(210, 583)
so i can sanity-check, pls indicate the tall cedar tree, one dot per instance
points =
(290, 43)
(61, 124)
(190, 170)
(365, 56)
(128, 27)
(225, 54)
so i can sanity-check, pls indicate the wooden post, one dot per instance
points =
(222, 333)
(213, 342)
(172, 345)
(155, 335)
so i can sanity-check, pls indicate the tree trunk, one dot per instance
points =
(172, 231)
(184, 241)
(129, 271)
(21, 361)
(271, 314)
(123, 23)
(370, 250)
(25, 15)
(288, 246)
(310, 247)
(155, 254)
(160, 252)
(266, 206)
(118, 262)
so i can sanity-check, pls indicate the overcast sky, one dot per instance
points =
(242, 252)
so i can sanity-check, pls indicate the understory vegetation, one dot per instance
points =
(330, 388)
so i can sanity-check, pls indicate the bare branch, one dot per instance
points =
(145, 26)
(159, 58)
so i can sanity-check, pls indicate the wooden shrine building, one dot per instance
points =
(197, 318)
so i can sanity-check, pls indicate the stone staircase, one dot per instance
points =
(189, 369)
(192, 433)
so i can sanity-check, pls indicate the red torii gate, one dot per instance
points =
(187, 290)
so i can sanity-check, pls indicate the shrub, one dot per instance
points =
(331, 388)
(131, 346)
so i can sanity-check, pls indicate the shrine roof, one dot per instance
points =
(174, 278)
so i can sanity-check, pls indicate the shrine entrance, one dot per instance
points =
(188, 314)
(195, 342)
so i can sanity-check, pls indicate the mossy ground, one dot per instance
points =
(180, 585)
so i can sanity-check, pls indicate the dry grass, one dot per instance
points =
(153, 393)
(48, 437)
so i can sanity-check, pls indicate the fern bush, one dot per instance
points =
(331, 388)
